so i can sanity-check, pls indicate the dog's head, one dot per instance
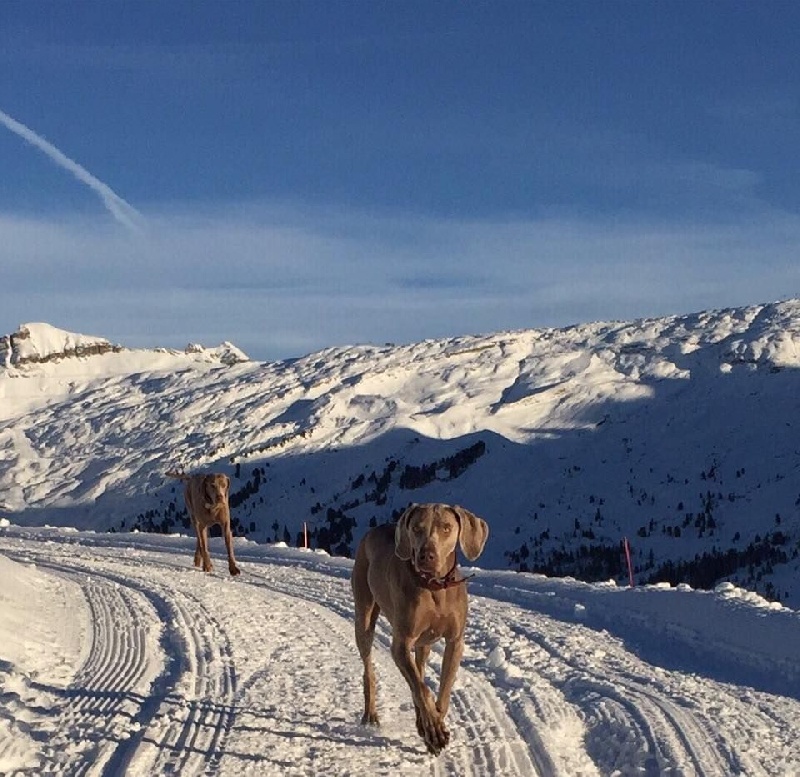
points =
(427, 534)
(215, 491)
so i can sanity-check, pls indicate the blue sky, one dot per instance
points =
(293, 175)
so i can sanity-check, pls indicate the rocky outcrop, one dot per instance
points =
(41, 343)
(226, 352)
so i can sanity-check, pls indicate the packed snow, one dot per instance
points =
(118, 657)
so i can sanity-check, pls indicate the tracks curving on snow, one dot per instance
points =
(184, 673)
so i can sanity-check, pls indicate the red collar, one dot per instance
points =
(432, 583)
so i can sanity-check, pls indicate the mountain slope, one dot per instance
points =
(677, 433)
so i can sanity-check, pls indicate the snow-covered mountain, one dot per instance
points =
(677, 433)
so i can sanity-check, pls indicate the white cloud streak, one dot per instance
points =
(283, 282)
(122, 211)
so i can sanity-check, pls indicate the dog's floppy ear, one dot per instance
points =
(474, 533)
(227, 484)
(402, 544)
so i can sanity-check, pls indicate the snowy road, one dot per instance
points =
(118, 658)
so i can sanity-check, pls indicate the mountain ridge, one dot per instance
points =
(42, 343)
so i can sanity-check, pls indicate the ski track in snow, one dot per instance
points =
(192, 674)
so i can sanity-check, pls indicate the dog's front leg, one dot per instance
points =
(451, 660)
(198, 549)
(430, 724)
(232, 568)
(421, 653)
(202, 535)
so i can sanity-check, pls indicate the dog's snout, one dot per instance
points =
(428, 553)
(428, 556)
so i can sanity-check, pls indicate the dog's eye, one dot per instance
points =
(417, 528)
(446, 528)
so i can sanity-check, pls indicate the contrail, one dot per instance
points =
(123, 212)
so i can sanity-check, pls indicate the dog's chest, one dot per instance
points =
(438, 623)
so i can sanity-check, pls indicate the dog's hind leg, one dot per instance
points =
(367, 612)
(365, 634)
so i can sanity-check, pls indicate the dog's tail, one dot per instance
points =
(177, 475)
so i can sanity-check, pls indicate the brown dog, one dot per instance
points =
(206, 498)
(409, 572)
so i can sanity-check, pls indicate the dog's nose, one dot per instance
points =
(427, 554)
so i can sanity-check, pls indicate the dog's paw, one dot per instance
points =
(370, 719)
(433, 731)
(438, 738)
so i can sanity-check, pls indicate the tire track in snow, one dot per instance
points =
(293, 628)
(107, 702)
(673, 740)
(552, 727)
(191, 725)
(177, 721)
(492, 743)
(191, 716)
(629, 729)
(281, 707)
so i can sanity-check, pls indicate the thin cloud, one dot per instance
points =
(280, 282)
(122, 211)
